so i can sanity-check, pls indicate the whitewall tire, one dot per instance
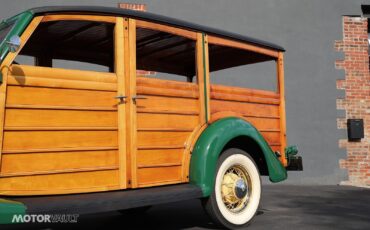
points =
(237, 190)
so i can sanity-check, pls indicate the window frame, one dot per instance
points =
(77, 17)
(171, 30)
(168, 29)
(201, 61)
(214, 40)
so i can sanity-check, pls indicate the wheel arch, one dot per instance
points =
(222, 134)
(252, 148)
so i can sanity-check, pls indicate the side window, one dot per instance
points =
(24, 60)
(165, 56)
(71, 44)
(242, 68)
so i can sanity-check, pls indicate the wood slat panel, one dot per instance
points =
(81, 108)
(62, 128)
(263, 123)
(60, 97)
(142, 90)
(245, 108)
(168, 104)
(149, 86)
(20, 163)
(57, 73)
(152, 147)
(49, 150)
(159, 111)
(271, 137)
(165, 84)
(61, 171)
(233, 90)
(60, 183)
(18, 140)
(149, 138)
(166, 129)
(147, 120)
(162, 175)
(160, 165)
(60, 83)
(59, 118)
(260, 116)
(243, 98)
(158, 157)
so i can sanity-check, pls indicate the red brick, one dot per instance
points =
(357, 96)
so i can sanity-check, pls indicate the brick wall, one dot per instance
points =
(356, 102)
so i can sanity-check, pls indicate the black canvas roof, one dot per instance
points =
(154, 18)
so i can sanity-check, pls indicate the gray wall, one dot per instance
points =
(307, 29)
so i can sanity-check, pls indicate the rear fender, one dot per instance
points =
(211, 143)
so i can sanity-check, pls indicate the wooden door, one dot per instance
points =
(60, 131)
(65, 130)
(164, 124)
(165, 112)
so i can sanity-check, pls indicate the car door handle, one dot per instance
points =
(134, 98)
(121, 98)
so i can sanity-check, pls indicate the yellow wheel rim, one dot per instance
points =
(236, 188)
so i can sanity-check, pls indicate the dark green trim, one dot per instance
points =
(205, 77)
(9, 208)
(291, 151)
(211, 143)
(21, 21)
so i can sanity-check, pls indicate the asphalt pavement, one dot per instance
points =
(282, 207)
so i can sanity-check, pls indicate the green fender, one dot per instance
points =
(212, 141)
(8, 209)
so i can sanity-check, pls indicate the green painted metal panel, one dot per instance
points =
(10, 208)
(212, 141)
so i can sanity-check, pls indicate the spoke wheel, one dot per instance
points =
(237, 190)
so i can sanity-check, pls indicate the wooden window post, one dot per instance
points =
(283, 139)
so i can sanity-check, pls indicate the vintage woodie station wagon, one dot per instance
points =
(84, 141)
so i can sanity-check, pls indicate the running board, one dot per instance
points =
(107, 201)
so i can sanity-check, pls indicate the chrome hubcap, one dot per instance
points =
(240, 189)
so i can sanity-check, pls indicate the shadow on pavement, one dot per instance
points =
(282, 207)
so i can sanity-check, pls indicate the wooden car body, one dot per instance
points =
(69, 131)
